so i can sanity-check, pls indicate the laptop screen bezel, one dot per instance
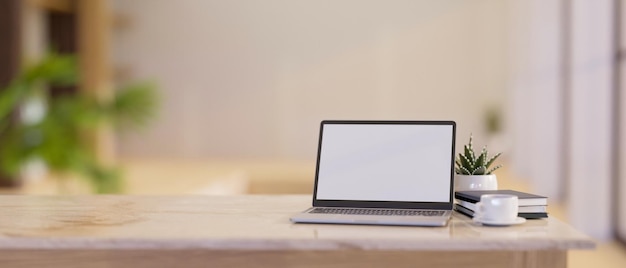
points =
(385, 204)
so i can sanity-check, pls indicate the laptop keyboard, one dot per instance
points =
(381, 212)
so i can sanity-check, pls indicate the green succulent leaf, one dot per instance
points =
(464, 171)
(469, 154)
(493, 169)
(469, 163)
(481, 159)
(490, 161)
(465, 162)
(479, 171)
(471, 147)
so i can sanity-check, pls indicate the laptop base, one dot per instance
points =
(434, 221)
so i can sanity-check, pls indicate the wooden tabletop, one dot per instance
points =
(246, 222)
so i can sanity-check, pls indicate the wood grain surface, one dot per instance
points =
(253, 230)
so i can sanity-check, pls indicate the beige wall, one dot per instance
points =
(254, 78)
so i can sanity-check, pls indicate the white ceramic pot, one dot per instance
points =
(475, 182)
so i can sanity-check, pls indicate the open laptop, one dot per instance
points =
(383, 172)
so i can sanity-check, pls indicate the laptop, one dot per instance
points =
(383, 173)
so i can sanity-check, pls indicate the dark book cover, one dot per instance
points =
(470, 213)
(522, 209)
(465, 211)
(525, 199)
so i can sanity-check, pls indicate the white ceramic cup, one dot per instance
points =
(497, 208)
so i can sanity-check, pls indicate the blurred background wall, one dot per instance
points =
(250, 80)
(254, 78)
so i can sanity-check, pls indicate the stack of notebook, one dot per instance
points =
(530, 206)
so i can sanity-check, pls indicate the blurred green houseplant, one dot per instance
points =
(57, 134)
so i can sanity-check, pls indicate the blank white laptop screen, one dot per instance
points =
(396, 162)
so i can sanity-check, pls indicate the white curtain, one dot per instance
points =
(536, 101)
(621, 196)
(562, 85)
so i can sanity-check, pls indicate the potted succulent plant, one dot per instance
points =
(474, 172)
